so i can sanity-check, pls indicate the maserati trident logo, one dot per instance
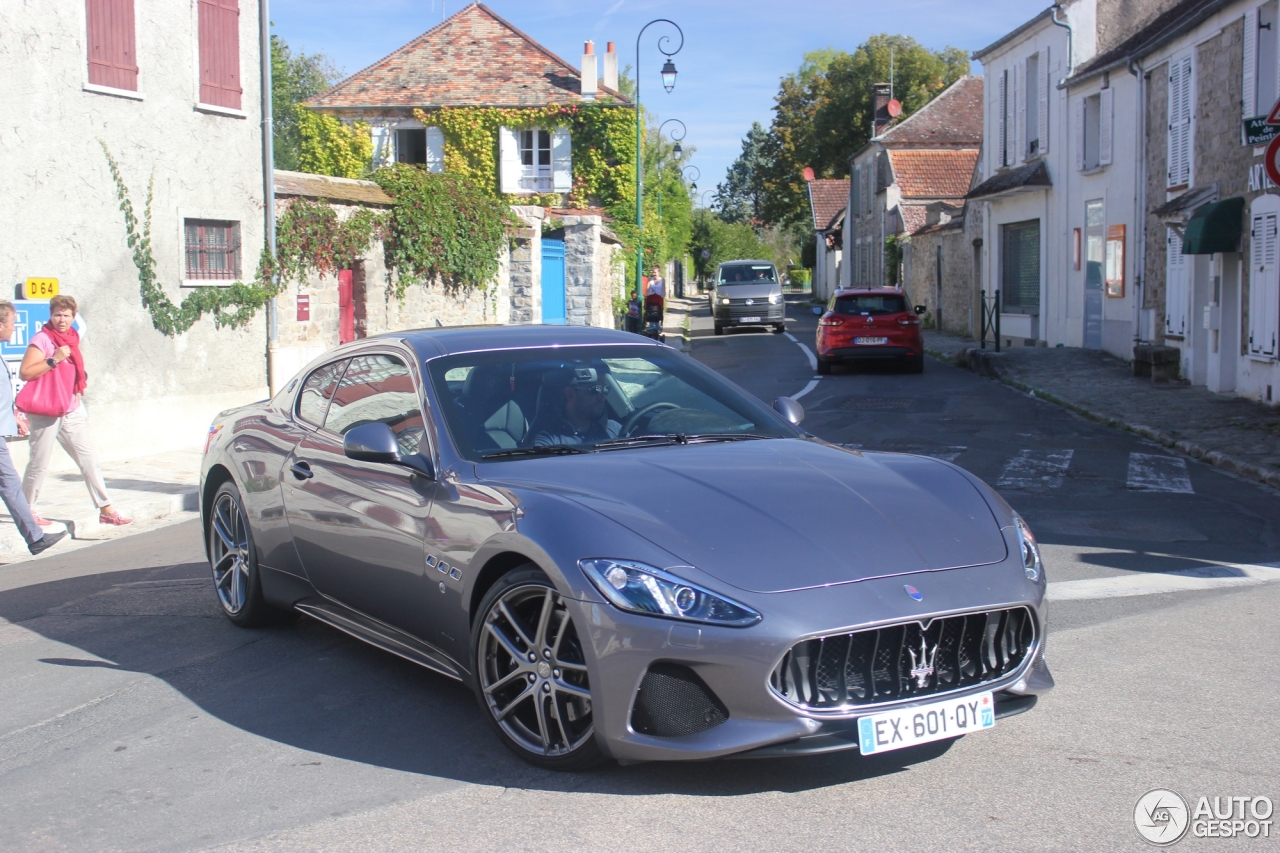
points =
(922, 667)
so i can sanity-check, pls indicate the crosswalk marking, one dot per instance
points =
(1035, 470)
(1150, 472)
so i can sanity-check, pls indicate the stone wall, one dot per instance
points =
(1119, 19)
(526, 266)
(1157, 170)
(589, 277)
(957, 275)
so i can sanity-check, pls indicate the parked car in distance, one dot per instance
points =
(747, 293)
(874, 323)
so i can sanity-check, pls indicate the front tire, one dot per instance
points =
(719, 329)
(234, 560)
(531, 673)
(780, 328)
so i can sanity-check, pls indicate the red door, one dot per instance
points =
(346, 308)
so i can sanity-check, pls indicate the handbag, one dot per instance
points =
(42, 397)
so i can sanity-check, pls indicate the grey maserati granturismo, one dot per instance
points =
(623, 554)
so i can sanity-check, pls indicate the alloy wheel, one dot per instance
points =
(533, 675)
(229, 547)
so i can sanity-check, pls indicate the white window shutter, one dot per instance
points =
(508, 161)
(1020, 95)
(1175, 297)
(382, 144)
(1175, 123)
(1264, 277)
(1248, 103)
(561, 160)
(1077, 133)
(1043, 96)
(855, 187)
(1004, 110)
(1106, 105)
(435, 149)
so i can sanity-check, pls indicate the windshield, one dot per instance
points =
(747, 273)
(892, 303)
(514, 403)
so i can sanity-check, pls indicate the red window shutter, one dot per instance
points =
(220, 53)
(112, 61)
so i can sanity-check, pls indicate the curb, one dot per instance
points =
(986, 363)
(84, 526)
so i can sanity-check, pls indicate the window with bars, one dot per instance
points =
(212, 250)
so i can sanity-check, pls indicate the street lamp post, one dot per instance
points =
(668, 83)
(693, 181)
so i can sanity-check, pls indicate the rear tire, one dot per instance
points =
(824, 367)
(531, 674)
(915, 364)
(234, 559)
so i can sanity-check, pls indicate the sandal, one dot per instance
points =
(113, 517)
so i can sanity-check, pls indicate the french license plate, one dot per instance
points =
(925, 723)
(748, 319)
(872, 341)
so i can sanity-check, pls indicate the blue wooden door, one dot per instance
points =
(553, 281)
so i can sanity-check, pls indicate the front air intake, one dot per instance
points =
(673, 701)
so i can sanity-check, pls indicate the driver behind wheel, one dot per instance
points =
(575, 401)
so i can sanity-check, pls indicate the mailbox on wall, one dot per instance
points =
(304, 307)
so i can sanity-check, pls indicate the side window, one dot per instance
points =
(317, 391)
(378, 389)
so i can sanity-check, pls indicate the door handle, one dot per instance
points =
(301, 470)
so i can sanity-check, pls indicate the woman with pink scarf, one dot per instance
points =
(53, 369)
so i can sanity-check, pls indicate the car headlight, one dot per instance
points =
(638, 588)
(1029, 549)
(724, 301)
(775, 298)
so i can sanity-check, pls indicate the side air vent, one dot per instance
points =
(673, 701)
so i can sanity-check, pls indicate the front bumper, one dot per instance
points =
(736, 664)
(732, 315)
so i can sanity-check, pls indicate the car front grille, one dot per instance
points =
(759, 308)
(905, 661)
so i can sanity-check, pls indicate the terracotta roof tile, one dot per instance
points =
(474, 58)
(913, 216)
(953, 118)
(934, 173)
(827, 199)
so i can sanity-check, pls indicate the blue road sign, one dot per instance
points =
(32, 315)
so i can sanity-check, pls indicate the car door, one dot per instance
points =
(360, 526)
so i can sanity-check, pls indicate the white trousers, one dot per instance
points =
(72, 432)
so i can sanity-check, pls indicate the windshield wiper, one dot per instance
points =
(675, 438)
(701, 437)
(547, 450)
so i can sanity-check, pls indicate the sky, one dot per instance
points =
(733, 56)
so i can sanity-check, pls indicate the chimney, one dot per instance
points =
(880, 108)
(610, 69)
(589, 75)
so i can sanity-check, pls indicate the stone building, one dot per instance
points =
(828, 198)
(925, 159)
(172, 91)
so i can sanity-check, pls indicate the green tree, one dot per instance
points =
(294, 78)
(823, 112)
(713, 241)
(738, 198)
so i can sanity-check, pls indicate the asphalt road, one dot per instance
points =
(135, 717)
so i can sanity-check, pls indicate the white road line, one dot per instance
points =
(808, 353)
(813, 383)
(948, 455)
(1151, 472)
(1035, 470)
(1154, 583)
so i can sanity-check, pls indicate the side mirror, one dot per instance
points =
(376, 442)
(789, 409)
(920, 309)
(817, 311)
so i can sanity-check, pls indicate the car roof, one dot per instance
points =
(868, 291)
(450, 340)
(747, 261)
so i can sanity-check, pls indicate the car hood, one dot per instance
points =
(748, 291)
(780, 514)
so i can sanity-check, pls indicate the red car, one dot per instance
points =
(872, 323)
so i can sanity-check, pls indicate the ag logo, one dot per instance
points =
(1161, 817)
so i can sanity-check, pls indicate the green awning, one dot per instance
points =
(1215, 228)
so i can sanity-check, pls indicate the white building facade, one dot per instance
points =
(171, 90)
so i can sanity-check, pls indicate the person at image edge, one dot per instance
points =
(10, 486)
(53, 369)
